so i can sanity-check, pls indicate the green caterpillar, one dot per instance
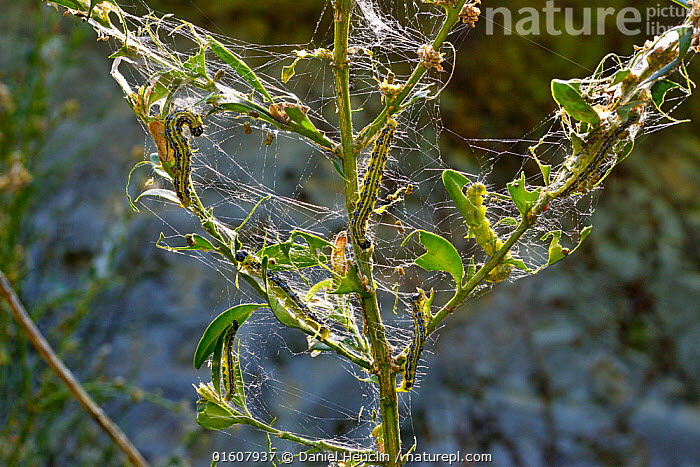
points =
(180, 146)
(419, 310)
(228, 361)
(371, 184)
(485, 236)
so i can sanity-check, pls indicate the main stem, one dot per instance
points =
(380, 349)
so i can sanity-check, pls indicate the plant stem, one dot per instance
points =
(380, 349)
(321, 445)
(47, 353)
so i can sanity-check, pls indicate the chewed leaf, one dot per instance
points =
(194, 242)
(238, 65)
(288, 71)
(570, 99)
(217, 327)
(556, 251)
(350, 283)
(524, 200)
(440, 255)
(659, 91)
(196, 63)
(292, 255)
(658, 96)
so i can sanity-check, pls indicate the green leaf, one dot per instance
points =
(440, 255)
(454, 182)
(659, 91)
(658, 96)
(288, 70)
(524, 200)
(250, 214)
(238, 65)
(216, 364)
(197, 242)
(517, 262)
(423, 93)
(556, 251)
(316, 344)
(624, 111)
(318, 286)
(545, 169)
(569, 98)
(72, 4)
(291, 255)
(214, 416)
(301, 124)
(315, 242)
(302, 121)
(338, 168)
(283, 315)
(167, 195)
(683, 46)
(196, 64)
(194, 242)
(620, 76)
(207, 343)
(238, 103)
(350, 283)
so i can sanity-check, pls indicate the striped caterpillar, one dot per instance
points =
(418, 307)
(228, 361)
(180, 145)
(253, 266)
(371, 184)
(578, 175)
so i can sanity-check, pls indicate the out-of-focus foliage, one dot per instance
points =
(40, 422)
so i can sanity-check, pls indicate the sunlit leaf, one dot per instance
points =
(440, 255)
(217, 327)
(238, 65)
(566, 94)
(524, 200)
(214, 416)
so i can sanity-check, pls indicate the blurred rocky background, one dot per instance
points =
(592, 362)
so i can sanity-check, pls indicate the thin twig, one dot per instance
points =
(45, 350)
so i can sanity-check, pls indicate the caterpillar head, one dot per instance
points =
(241, 255)
(197, 125)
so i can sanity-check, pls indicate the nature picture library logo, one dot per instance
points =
(582, 21)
